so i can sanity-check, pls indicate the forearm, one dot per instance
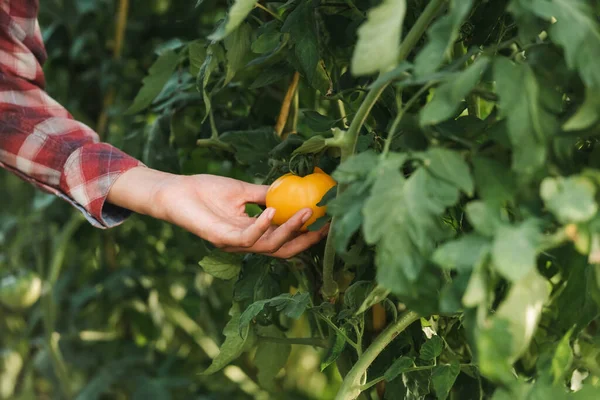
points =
(139, 190)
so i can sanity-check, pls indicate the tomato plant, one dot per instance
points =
(463, 254)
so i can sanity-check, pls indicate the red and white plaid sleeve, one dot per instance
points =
(39, 140)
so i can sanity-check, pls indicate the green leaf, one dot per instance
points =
(377, 295)
(237, 14)
(476, 292)
(356, 167)
(450, 166)
(337, 344)
(222, 265)
(402, 218)
(300, 24)
(315, 144)
(238, 50)
(318, 122)
(266, 42)
(443, 378)
(377, 48)
(530, 124)
(485, 218)
(571, 199)
(580, 44)
(270, 357)
(514, 251)
(448, 96)
(292, 306)
(562, 359)
(252, 147)
(441, 36)
(463, 253)
(495, 182)
(432, 348)
(587, 114)
(348, 210)
(197, 55)
(158, 75)
(399, 366)
(237, 340)
(508, 333)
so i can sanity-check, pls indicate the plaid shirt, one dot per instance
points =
(39, 140)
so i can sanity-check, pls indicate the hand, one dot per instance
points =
(213, 208)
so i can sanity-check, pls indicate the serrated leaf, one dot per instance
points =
(158, 75)
(530, 124)
(432, 348)
(236, 15)
(450, 166)
(237, 340)
(448, 96)
(463, 253)
(399, 366)
(377, 48)
(514, 251)
(222, 265)
(443, 378)
(292, 306)
(402, 218)
(441, 36)
(300, 24)
(571, 199)
(313, 145)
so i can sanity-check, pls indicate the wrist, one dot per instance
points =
(138, 189)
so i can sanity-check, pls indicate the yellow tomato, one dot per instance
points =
(291, 193)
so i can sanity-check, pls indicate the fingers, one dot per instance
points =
(255, 193)
(284, 242)
(301, 243)
(248, 237)
(283, 234)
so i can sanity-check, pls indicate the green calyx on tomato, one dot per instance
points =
(21, 290)
(291, 193)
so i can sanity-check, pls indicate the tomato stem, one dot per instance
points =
(352, 386)
(330, 287)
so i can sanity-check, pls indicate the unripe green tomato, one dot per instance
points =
(21, 290)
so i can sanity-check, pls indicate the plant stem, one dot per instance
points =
(375, 381)
(49, 307)
(271, 13)
(216, 143)
(315, 342)
(401, 112)
(330, 287)
(351, 386)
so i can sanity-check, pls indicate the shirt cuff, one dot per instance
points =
(87, 177)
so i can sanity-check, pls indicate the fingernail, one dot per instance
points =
(306, 216)
(270, 213)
